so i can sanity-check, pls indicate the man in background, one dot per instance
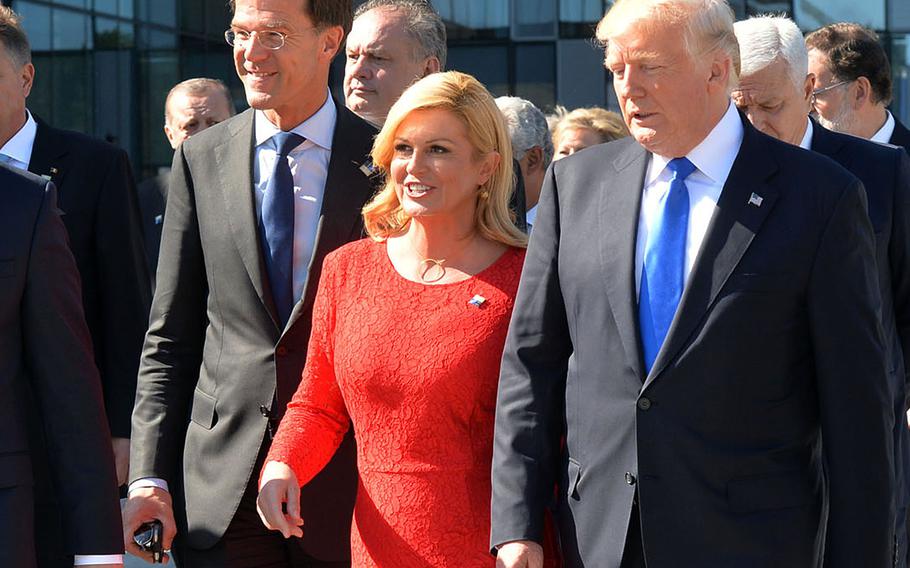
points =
(98, 197)
(532, 147)
(392, 44)
(191, 107)
(853, 85)
(775, 93)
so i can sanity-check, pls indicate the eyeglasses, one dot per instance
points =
(824, 90)
(269, 39)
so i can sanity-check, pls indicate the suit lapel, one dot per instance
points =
(620, 203)
(234, 158)
(735, 223)
(49, 157)
(347, 187)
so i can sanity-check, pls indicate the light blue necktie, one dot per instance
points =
(278, 224)
(663, 274)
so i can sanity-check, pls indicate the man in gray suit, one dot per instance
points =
(46, 354)
(698, 321)
(255, 203)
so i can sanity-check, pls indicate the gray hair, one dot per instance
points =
(707, 25)
(198, 87)
(763, 39)
(13, 37)
(424, 25)
(527, 127)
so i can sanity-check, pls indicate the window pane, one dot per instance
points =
(535, 74)
(813, 14)
(162, 12)
(71, 30)
(106, 6)
(36, 20)
(72, 91)
(900, 69)
(578, 18)
(534, 19)
(489, 64)
(475, 19)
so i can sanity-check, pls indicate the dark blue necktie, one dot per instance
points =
(663, 274)
(278, 224)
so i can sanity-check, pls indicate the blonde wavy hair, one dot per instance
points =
(608, 125)
(469, 100)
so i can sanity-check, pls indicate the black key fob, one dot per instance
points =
(148, 538)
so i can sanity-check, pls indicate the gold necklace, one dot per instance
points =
(432, 270)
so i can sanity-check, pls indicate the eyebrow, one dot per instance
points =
(434, 140)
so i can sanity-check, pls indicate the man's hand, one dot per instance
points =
(122, 459)
(278, 488)
(143, 505)
(520, 554)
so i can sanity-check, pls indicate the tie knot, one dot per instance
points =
(681, 168)
(284, 142)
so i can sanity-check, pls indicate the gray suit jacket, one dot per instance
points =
(215, 358)
(46, 353)
(775, 360)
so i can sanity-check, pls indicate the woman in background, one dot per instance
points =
(585, 127)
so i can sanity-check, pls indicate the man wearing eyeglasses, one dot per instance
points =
(853, 80)
(254, 205)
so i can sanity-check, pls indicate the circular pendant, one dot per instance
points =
(431, 270)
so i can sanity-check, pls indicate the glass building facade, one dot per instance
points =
(104, 67)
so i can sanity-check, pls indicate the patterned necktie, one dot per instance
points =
(278, 224)
(663, 274)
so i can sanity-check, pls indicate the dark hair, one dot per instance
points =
(325, 13)
(424, 25)
(13, 37)
(852, 52)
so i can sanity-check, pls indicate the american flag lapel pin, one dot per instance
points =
(756, 200)
(367, 168)
(477, 301)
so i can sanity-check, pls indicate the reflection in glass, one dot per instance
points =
(72, 30)
(813, 14)
(900, 71)
(475, 19)
(36, 20)
(71, 93)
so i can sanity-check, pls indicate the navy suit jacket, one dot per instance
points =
(772, 376)
(900, 136)
(46, 356)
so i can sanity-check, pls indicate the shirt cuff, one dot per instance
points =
(95, 559)
(148, 482)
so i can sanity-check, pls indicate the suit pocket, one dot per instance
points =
(770, 492)
(574, 477)
(7, 267)
(203, 412)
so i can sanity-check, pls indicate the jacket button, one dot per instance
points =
(630, 479)
(644, 403)
(281, 351)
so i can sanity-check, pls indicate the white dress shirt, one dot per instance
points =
(806, 143)
(310, 168)
(713, 159)
(883, 136)
(531, 217)
(18, 149)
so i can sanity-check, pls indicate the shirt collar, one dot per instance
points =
(19, 147)
(883, 136)
(714, 156)
(318, 128)
(806, 144)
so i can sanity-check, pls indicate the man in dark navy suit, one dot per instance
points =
(698, 320)
(775, 92)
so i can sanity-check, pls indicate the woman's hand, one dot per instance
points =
(280, 492)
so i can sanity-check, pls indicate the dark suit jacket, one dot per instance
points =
(152, 199)
(776, 346)
(900, 136)
(98, 199)
(215, 352)
(885, 173)
(46, 353)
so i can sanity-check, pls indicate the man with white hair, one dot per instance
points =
(531, 146)
(775, 93)
(697, 361)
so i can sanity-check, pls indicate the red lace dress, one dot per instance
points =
(415, 368)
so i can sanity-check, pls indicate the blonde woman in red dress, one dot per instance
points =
(408, 332)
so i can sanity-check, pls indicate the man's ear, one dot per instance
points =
(28, 79)
(430, 66)
(535, 158)
(862, 93)
(721, 66)
(332, 41)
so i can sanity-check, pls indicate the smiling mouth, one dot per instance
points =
(417, 189)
